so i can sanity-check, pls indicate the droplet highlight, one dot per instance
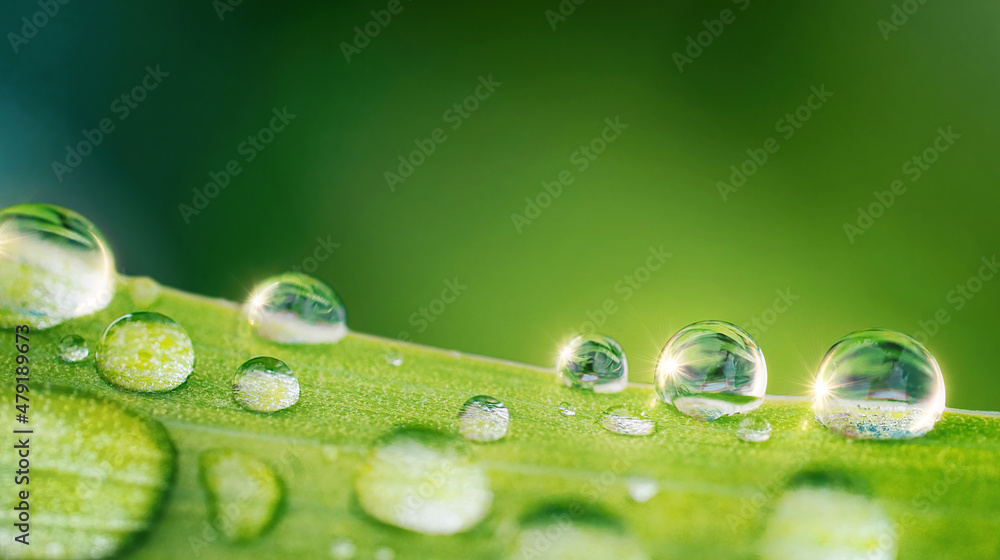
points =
(145, 351)
(483, 418)
(624, 420)
(73, 348)
(265, 384)
(394, 358)
(296, 308)
(243, 493)
(593, 362)
(754, 428)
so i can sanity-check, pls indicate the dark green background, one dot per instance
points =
(655, 185)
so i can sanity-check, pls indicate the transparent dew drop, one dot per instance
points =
(642, 489)
(343, 549)
(567, 409)
(425, 482)
(624, 420)
(296, 308)
(483, 418)
(711, 369)
(593, 362)
(243, 493)
(73, 348)
(879, 384)
(145, 351)
(54, 266)
(394, 357)
(573, 532)
(265, 384)
(754, 428)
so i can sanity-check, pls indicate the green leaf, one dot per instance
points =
(717, 494)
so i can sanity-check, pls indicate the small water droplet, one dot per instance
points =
(265, 384)
(623, 420)
(394, 357)
(642, 489)
(343, 549)
(145, 351)
(879, 384)
(423, 481)
(243, 493)
(574, 532)
(296, 308)
(385, 553)
(56, 266)
(711, 369)
(73, 348)
(145, 291)
(483, 418)
(593, 362)
(567, 409)
(754, 428)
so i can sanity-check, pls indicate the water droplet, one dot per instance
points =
(145, 351)
(296, 308)
(56, 266)
(243, 493)
(567, 409)
(145, 291)
(574, 532)
(343, 549)
(385, 553)
(711, 369)
(394, 357)
(754, 428)
(593, 362)
(642, 489)
(265, 384)
(879, 384)
(73, 348)
(423, 481)
(623, 420)
(483, 418)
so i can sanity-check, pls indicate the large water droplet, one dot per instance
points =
(711, 369)
(593, 362)
(574, 532)
(101, 476)
(483, 418)
(243, 493)
(879, 384)
(145, 351)
(754, 428)
(624, 420)
(265, 384)
(425, 482)
(55, 266)
(73, 348)
(296, 308)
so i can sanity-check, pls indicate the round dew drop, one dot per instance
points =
(296, 308)
(145, 351)
(754, 428)
(56, 266)
(394, 357)
(483, 418)
(73, 348)
(593, 362)
(567, 409)
(265, 384)
(243, 493)
(711, 369)
(879, 384)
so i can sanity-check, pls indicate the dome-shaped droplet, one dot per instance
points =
(567, 409)
(879, 384)
(711, 369)
(483, 418)
(265, 384)
(623, 419)
(393, 357)
(573, 531)
(145, 351)
(296, 308)
(243, 493)
(754, 428)
(423, 481)
(593, 362)
(54, 266)
(73, 348)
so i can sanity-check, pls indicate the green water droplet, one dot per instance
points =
(296, 308)
(265, 384)
(879, 384)
(145, 351)
(567, 409)
(394, 357)
(243, 493)
(711, 369)
(56, 266)
(100, 475)
(754, 428)
(574, 532)
(423, 481)
(623, 419)
(483, 418)
(593, 362)
(73, 348)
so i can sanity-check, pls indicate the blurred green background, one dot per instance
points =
(656, 185)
